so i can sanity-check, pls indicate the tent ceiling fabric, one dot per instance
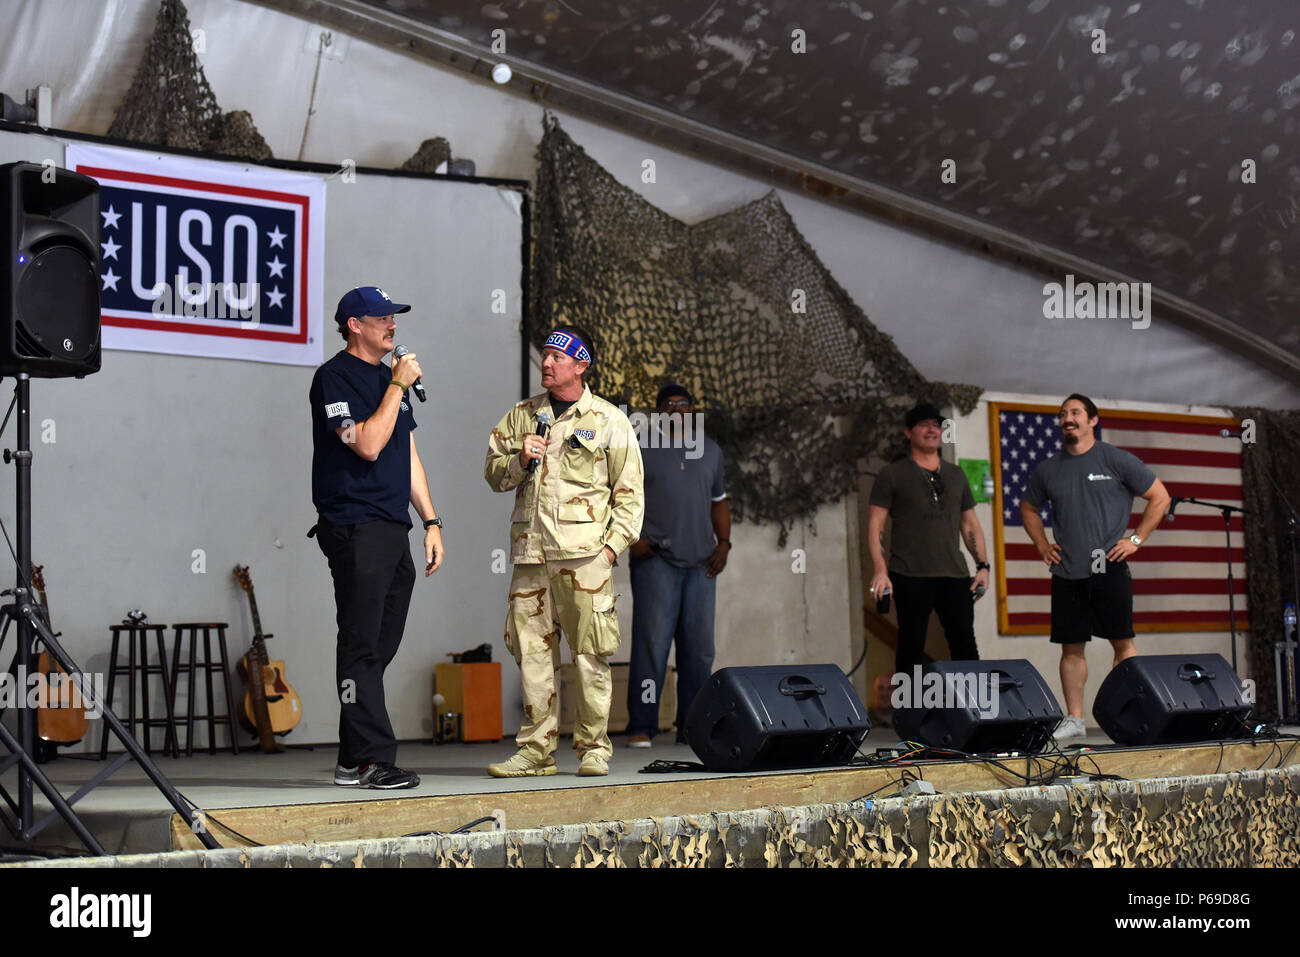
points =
(1131, 159)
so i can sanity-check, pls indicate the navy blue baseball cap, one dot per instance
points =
(366, 301)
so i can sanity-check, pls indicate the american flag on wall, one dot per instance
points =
(1180, 578)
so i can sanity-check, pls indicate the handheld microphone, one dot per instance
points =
(1174, 501)
(543, 426)
(416, 387)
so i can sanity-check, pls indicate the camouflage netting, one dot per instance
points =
(171, 104)
(797, 383)
(1274, 453)
(431, 154)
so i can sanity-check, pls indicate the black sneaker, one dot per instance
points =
(387, 777)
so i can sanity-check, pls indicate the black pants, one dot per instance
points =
(373, 577)
(951, 599)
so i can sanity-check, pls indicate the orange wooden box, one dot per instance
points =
(472, 690)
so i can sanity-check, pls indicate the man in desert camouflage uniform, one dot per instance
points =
(573, 516)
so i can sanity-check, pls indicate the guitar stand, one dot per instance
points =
(20, 820)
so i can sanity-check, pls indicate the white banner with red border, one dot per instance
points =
(205, 258)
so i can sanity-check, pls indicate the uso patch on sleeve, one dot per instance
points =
(335, 409)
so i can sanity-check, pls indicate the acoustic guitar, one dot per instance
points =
(62, 721)
(271, 706)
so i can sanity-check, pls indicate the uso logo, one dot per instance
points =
(182, 254)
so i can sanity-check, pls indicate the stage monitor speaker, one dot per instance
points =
(1172, 699)
(776, 716)
(49, 283)
(979, 707)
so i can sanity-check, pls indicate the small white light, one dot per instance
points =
(501, 73)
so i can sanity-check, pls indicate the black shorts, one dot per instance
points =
(1101, 605)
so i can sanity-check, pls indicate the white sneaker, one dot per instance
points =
(638, 741)
(1070, 727)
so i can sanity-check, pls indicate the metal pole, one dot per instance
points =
(525, 298)
(26, 718)
(1232, 606)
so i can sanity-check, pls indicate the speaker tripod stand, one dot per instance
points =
(20, 818)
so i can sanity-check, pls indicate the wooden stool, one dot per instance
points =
(137, 636)
(191, 631)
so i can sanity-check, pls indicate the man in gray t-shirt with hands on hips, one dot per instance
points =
(1091, 486)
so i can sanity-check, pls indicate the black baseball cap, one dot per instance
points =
(920, 412)
(670, 389)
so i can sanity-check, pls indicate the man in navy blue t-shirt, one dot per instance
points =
(1091, 486)
(365, 472)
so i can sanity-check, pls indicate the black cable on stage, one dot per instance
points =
(664, 766)
(208, 817)
(463, 829)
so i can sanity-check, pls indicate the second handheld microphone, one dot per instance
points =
(416, 386)
(543, 426)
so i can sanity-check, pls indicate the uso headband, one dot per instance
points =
(569, 344)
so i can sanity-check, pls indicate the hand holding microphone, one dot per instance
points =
(407, 371)
(535, 444)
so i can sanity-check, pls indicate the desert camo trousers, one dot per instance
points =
(575, 596)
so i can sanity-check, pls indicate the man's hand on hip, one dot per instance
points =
(610, 554)
(433, 550)
(1122, 550)
(1051, 554)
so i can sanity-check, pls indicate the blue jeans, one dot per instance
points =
(668, 601)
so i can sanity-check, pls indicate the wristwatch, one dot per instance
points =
(1135, 540)
(981, 566)
(433, 521)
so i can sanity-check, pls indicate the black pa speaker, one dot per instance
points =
(978, 707)
(49, 283)
(776, 716)
(1171, 699)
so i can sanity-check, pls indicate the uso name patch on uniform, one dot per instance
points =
(588, 434)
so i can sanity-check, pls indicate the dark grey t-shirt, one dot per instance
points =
(679, 492)
(926, 537)
(1092, 498)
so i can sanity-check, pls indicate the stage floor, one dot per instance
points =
(291, 796)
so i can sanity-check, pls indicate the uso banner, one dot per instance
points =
(202, 258)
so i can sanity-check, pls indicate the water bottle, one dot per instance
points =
(1288, 622)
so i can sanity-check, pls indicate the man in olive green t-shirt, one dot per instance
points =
(933, 512)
